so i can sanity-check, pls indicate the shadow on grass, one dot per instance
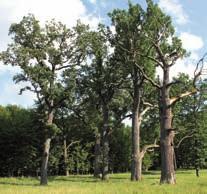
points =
(184, 172)
(75, 178)
(151, 173)
(19, 184)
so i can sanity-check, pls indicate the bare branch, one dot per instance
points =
(173, 83)
(147, 77)
(173, 100)
(144, 111)
(148, 147)
(152, 59)
(197, 74)
(126, 116)
(72, 143)
(199, 68)
(161, 55)
(185, 137)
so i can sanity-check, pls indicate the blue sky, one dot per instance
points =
(189, 18)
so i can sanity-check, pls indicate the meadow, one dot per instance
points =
(187, 182)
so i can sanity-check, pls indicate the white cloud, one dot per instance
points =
(175, 9)
(93, 1)
(10, 94)
(8, 69)
(65, 11)
(191, 42)
(186, 66)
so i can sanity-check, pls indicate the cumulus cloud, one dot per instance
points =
(191, 42)
(10, 94)
(175, 9)
(65, 11)
(93, 1)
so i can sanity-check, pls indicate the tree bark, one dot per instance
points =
(136, 121)
(105, 143)
(65, 157)
(97, 160)
(167, 133)
(197, 172)
(46, 150)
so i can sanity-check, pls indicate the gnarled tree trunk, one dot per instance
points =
(65, 157)
(97, 159)
(46, 150)
(105, 143)
(136, 160)
(167, 133)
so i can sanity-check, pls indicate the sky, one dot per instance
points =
(188, 18)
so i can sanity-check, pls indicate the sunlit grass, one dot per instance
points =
(187, 182)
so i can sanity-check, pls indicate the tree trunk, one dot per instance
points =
(97, 160)
(65, 157)
(46, 150)
(197, 171)
(105, 143)
(167, 134)
(136, 121)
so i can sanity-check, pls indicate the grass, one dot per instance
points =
(187, 182)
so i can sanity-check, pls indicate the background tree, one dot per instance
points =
(101, 76)
(43, 54)
(128, 41)
(20, 138)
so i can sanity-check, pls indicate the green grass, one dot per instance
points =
(187, 182)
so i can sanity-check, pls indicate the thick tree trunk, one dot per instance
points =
(105, 143)
(45, 158)
(97, 159)
(46, 150)
(167, 134)
(197, 171)
(136, 121)
(65, 157)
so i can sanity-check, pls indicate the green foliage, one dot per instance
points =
(51, 130)
(19, 141)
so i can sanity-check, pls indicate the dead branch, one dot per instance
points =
(185, 137)
(197, 74)
(72, 143)
(173, 100)
(147, 147)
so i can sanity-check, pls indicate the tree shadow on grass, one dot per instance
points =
(184, 172)
(151, 173)
(75, 178)
(19, 184)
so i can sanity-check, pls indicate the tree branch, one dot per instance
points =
(147, 147)
(73, 142)
(185, 137)
(173, 100)
(197, 74)
(147, 77)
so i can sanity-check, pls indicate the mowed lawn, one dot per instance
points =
(187, 182)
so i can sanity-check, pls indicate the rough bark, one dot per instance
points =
(105, 143)
(167, 133)
(135, 163)
(97, 160)
(46, 150)
(65, 157)
(197, 171)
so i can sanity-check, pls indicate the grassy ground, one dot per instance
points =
(118, 184)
